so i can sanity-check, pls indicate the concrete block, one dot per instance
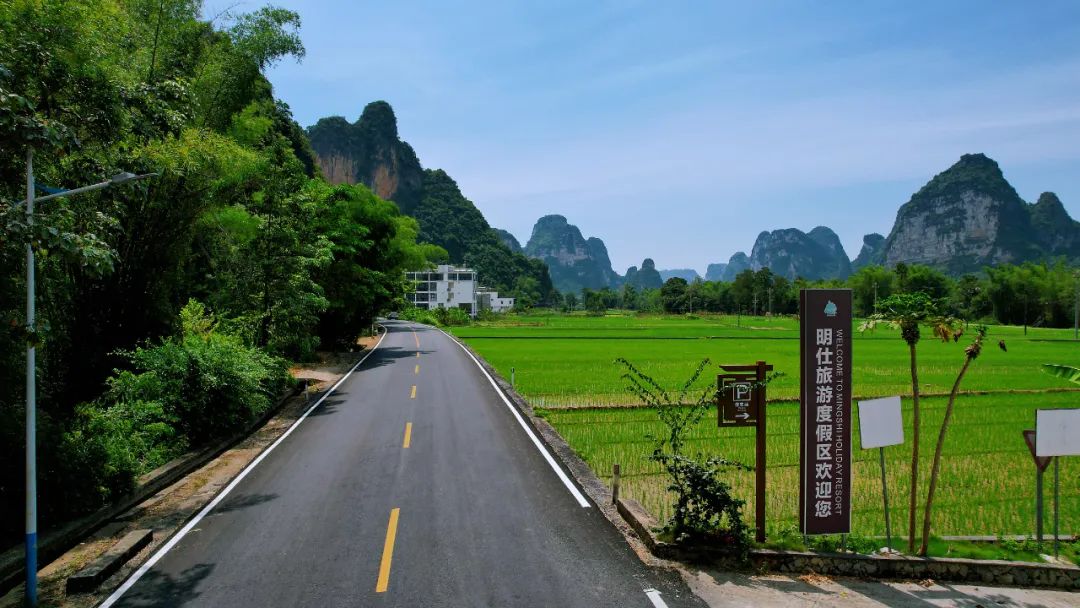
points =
(109, 562)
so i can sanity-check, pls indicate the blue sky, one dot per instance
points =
(679, 131)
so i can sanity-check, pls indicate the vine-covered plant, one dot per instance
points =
(705, 510)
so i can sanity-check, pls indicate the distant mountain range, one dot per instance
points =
(687, 274)
(962, 220)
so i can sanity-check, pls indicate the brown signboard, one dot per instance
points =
(825, 414)
(738, 399)
(1041, 462)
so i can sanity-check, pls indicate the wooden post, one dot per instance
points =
(885, 495)
(1038, 505)
(759, 461)
(615, 485)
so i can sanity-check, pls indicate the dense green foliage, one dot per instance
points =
(1036, 294)
(235, 218)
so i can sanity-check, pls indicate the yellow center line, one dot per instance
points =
(417, 354)
(417, 339)
(416, 370)
(408, 435)
(413, 394)
(387, 552)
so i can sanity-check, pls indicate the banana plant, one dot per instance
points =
(1065, 372)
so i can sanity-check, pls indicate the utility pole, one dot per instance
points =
(1025, 311)
(875, 296)
(1076, 306)
(770, 301)
(31, 396)
(755, 305)
(31, 361)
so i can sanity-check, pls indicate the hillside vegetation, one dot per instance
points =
(167, 307)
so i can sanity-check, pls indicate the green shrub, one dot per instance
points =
(418, 315)
(705, 511)
(452, 317)
(442, 317)
(207, 384)
(111, 446)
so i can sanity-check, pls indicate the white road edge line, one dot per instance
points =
(528, 431)
(176, 538)
(654, 597)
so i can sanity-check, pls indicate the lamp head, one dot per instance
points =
(123, 178)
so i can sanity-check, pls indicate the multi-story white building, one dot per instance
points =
(444, 287)
(451, 287)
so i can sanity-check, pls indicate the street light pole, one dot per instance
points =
(1076, 307)
(31, 362)
(31, 396)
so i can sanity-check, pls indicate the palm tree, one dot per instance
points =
(908, 312)
(971, 353)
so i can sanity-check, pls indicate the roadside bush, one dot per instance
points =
(207, 384)
(452, 317)
(705, 510)
(442, 317)
(488, 315)
(105, 449)
(418, 315)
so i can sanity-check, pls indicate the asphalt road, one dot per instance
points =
(412, 484)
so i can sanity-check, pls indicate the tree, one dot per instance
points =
(629, 297)
(907, 312)
(593, 301)
(970, 354)
(673, 294)
(570, 301)
(870, 285)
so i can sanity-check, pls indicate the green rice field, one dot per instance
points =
(564, 366)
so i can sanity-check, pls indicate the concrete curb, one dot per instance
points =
(109, 562)
(992, 572)
(54, 543)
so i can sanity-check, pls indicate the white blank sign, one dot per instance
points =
(880, 423)
(1057, 432)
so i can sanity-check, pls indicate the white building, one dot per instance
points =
(451, 287)
(444, 287)
(489, 299)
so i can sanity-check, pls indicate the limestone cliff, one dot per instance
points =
(574, 262)
(689, 274)
(715, 272)
(369, 152)
(509, 240)
(969, 217)
(792, 253)
(872, 246)
(646, 277)
(738, 263)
